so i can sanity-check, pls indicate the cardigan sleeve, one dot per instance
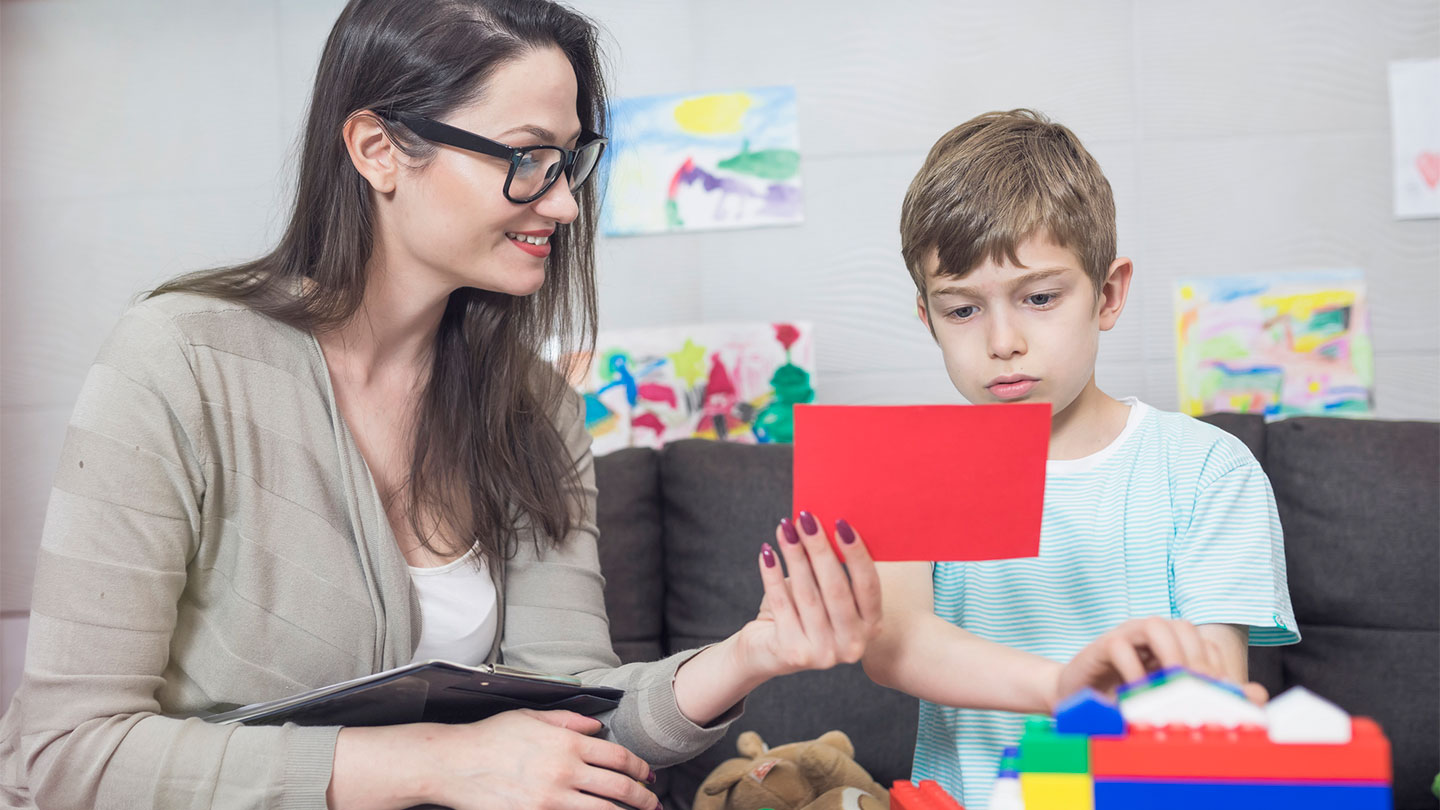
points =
(555, 622)
(85, 728)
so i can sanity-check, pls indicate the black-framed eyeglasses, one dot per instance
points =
(533, 169)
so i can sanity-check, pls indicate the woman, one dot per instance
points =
(347, 455)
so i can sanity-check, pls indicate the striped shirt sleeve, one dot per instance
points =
(1229, 561)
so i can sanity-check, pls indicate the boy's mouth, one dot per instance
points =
(1013, 386)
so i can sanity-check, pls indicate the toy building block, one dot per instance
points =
(905, 796)
(1199, 795)
(1301, 716)
(1211, 752)
(1088, 712)
(1006, 794)
(1042, 750)
(936, 798)
(1057, 791)
(1187, 699)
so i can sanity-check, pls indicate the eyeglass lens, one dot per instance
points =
(539, 168)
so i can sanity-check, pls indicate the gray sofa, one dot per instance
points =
(680, 529)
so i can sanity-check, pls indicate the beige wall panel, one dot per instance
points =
(31, 440)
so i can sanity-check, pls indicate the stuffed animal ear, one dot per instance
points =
(749, 744)
(724, 777)
(839, 740)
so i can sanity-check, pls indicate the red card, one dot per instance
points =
(927, 482)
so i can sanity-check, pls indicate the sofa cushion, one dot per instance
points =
(631, 551)
(1358, 504)
(1390, 675)
(721, 502)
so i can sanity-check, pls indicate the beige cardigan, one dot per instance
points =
(214, 539)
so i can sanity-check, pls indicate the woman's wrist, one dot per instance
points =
(387, 766)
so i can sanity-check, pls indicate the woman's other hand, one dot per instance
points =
(520, 760)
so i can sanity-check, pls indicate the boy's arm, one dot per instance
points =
(1231, 643)
(923, 655)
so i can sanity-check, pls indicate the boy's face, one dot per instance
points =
(1026, 333)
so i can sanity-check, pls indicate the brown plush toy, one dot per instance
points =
(816, 775)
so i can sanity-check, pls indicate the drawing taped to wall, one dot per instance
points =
(702, 161)
(1278, 344)
(736, 382)
(1415, 135)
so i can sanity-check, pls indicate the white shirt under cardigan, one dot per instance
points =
(457, 609)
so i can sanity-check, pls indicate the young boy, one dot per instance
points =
(1009, 235)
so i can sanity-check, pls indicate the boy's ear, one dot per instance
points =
(371, 151)
(924, 313)
(1114, 292)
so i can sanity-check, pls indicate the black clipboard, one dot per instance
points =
(429, 692)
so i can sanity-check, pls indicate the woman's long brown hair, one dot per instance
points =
(488, 458)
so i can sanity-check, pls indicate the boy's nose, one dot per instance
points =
(1005, 341)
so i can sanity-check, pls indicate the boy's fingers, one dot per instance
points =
(864, 579)
(1257, 694)
(1159, 636)
(1199, 653)
(1124, 659)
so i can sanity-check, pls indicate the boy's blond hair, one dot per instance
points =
(998, 179)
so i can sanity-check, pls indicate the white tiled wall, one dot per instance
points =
(144, 138)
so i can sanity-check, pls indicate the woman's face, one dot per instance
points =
(451, 216)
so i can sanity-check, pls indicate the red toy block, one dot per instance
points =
(1182, 752)
(905, 796)
(937, 798)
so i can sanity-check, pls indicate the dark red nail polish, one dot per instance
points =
(807, 521)
(791, 536)
(650, 779)
(767, 554)
(847, 534)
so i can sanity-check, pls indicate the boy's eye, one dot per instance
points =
(1041, 299)
(962, 312)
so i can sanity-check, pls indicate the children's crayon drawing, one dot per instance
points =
(1278, 344)
(701, 162)
(737, 383)
(1415, 136)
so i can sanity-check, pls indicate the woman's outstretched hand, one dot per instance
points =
(818, 616)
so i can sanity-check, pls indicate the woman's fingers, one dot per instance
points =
(778, 603)
(614, 757)
(809, 603)
(864, 579)
(572, 721)
(847, 641)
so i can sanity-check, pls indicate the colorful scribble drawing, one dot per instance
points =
(1279, 344)
(736, 383)
(700, 162)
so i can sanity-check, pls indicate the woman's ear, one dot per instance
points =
(371, 151)
(1114, 292)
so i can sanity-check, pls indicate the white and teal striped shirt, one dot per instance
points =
(1174, 518)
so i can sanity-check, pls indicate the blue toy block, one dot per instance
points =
(1088, 712)
(1127, 794)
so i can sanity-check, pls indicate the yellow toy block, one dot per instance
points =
(1057, 791)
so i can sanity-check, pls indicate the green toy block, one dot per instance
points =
(1044, 751)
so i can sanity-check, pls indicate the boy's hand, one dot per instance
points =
(1140, 646)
